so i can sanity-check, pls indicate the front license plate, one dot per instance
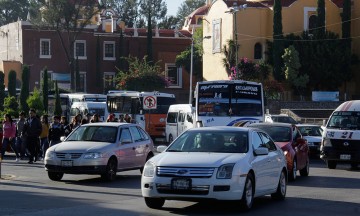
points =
(181, 184)
(67, 163)
(345, 157)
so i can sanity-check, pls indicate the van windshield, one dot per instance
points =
(345, 120)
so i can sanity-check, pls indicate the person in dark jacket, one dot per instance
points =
(32, 129)
(56, 130)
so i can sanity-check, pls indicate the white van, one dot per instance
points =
(91, 108)
(341, 137)
(179, 119)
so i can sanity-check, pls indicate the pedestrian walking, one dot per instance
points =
(44, 143)
(111, 118)
(56, 131)
(20, 136)
(127, 118)
(9, 133)
(121, 118)
(95, 118)
(33, 130)
(75, 122)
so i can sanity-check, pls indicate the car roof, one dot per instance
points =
(108, 124)
(221, 128)
(271, 124)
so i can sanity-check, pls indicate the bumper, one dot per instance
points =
(201, 188)
(78, 166)
(331, 154)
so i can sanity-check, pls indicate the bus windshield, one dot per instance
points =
(229, 99)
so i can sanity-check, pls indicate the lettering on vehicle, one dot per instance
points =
(210, 120)
(206, 87)
(347, 135)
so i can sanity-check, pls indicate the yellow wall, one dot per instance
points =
(7, 66)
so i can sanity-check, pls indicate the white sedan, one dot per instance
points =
(220, 163)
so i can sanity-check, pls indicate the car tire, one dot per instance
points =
(171, 138)
(293, 172)
(55, 176)
(331, 164)
(154, 203)
(306, 170)
(147, 158)
(111, 169)
(248, 193)
(280, 193)
(354, 165)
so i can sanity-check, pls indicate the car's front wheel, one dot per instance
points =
(331, 164)
(248, 194)
(55, 176)
(305, 171)
(293, 171)
(111, 169)
(154, 203)
(281, 189)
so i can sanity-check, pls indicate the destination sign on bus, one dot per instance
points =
(247, 91)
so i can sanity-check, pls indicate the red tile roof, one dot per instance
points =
(270, 3)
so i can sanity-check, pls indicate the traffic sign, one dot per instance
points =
(150, 102)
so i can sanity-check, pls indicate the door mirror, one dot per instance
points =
(261, 151)
(161, 148)
(62, 139)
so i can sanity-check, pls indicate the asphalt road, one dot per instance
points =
(26, 190)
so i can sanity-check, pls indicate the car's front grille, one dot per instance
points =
(195, 190)
(68, 155)
(345, 145)
(185, 172)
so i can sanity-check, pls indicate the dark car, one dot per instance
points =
(295, 147)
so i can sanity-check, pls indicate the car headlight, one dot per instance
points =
(50, 155)
(149, 169)
(225, 171)
(326, 142)
(286, 152)
(93, 155)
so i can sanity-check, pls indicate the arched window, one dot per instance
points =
(199, 20)
(258, 51)
(312, 23)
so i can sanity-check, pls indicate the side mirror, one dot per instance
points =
(161, 148)
(261, 151)
(62, 139)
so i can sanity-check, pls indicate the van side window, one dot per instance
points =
(189, 118)
(181, 117)
(172, 117)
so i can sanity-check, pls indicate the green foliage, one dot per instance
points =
(126, 9)
(152, 10)
(278, 47)
(250, 71)
(58, 110)
(320, 22)
(272, 89)
(12, 10)
(187, 7)
(2, 90)
(34, 101)
(292, 65)
(184, 58)
(12, 83)
(170, 22)
(24, 93)
(141, 76)
(230, 56)
(45, 90)
(11, 106)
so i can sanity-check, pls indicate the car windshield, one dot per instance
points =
(94, 134)
(277, 133)
(345, 120)
(310, 130)
(211, 141)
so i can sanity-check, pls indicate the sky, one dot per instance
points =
(172, 6)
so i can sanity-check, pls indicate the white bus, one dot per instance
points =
(89, 108)
(82, 97)
(131, 102)
(228, 103)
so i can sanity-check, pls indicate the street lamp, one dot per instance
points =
(233, 10)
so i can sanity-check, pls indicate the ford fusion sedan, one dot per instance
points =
(290, 140)
(100, 148)
(216, 163)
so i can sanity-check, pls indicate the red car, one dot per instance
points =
(290, 140)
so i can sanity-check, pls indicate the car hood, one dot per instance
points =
(76, 146)
(196, 159)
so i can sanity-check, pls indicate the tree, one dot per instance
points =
(126, 9)
(187, 7)
(12, 83)
(141, 76)
(320, 21)
(34, 101)
(11, 106)
(292, 65)
(2, 90)
(184, 58)
(229, 61)
(68, 19)
(58, 110)
(12, 10)
(99, 75)
(24, 93)
(45, 90)
(77, 75)
(346, 35)
(278, 48)
(169, 22)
